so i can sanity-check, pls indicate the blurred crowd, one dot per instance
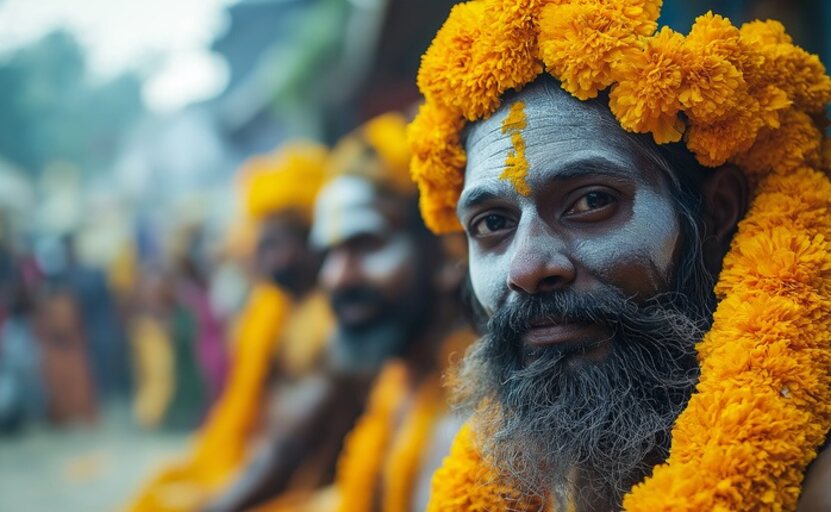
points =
(75, 336)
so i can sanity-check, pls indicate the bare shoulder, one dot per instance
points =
(816, 488)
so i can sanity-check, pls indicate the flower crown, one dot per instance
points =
(376, 150)
(289, 178)
(747, 96)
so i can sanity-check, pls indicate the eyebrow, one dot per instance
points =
(576, 169)
(474, 197)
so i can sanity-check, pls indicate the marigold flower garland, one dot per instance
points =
(386, 448)
(744, 95)
(220, 446)
(725, 90)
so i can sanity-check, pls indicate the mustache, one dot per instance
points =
(608, 308)
(540, 417)
(356, 295)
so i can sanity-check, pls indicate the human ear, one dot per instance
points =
(725, 195)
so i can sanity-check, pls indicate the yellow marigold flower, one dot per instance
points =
(437, 165)
(768, 32)
(581, 43)
(448, 62)
(712, 34)
(646, 97)
(286, 179)
(771, 152)
(800, 74)
(711, 90)
(714, 144)
(772, 101)
(463, 470)
(483, 49)
(386, 134)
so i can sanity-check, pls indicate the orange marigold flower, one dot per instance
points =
(711, 89)
(768, 32)
(713, 144)
(505, 56)
(712, 34)
(800, 74)
(287, 179)
(645, 99)
(437, 165)
(386, 135)
(448, 62)
(581, 43)
(483, 49)
(772, 101)
(797, 142)
(464, 470)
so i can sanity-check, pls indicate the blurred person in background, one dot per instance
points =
(152, 349)
(393, 290)
(22, 396)
(192, 291)
(96, 305)
(66, 367)
(280, 189)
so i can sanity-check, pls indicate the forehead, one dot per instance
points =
(561, 132)
(346, 207)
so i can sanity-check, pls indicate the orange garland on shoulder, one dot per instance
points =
(382, 451)
(745, 96)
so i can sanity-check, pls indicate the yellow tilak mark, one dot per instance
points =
(516, 166)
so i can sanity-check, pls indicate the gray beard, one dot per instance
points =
(591, 430)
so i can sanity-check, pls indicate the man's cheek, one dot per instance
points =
(488, 278)
(389, 263)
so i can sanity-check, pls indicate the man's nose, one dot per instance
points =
(338, 271)
(540, 263)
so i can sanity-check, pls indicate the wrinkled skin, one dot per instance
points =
(598, 214)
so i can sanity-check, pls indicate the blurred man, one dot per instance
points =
(392, 290)
(280, 191)
(22, 393)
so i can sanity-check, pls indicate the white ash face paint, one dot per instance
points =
(346, 206)
(388, 259)
(564, 137)
(349, 207)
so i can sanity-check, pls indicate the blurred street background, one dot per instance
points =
(123, 260)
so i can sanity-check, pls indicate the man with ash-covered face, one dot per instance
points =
(595, 288)
(392, 289)
(594, 254)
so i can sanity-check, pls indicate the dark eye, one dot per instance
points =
(490, 224)
(591, 202)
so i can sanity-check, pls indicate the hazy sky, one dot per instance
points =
(124, 34)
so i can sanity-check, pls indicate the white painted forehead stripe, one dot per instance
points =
(344, 208)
